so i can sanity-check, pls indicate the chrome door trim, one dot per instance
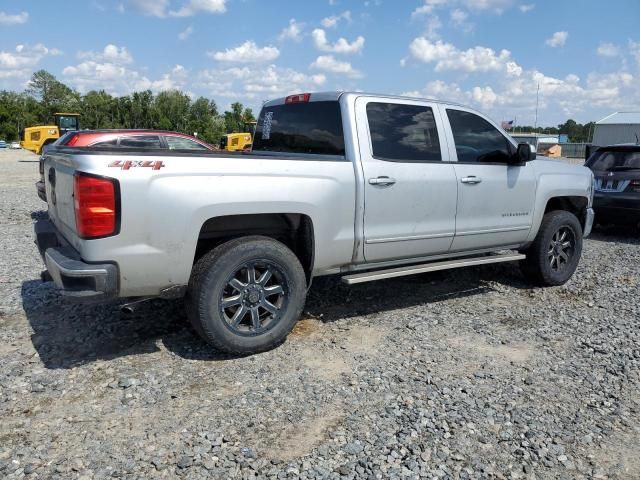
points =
(494, 230)
(405, 239)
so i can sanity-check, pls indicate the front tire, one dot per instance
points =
(246, 295)
(554, 255)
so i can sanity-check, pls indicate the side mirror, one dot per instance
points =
(523, 154)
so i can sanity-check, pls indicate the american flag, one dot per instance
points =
(507, 125)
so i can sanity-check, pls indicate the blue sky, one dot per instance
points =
(492, 54)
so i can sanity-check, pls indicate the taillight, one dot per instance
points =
(73, 140)
(96, 202)
(299, 98)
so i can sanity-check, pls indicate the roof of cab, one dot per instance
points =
(335, 96)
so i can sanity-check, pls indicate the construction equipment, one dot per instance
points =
(238, 142)
(35, 138)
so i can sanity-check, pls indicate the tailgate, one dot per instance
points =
(59, 172)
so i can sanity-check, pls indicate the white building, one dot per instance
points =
(619, 127)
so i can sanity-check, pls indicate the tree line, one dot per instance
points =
(168, 110)
(577, 132)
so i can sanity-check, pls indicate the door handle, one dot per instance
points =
(382, 181)
(471, 179)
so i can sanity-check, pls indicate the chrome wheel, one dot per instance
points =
(561, 249)
(254, 298)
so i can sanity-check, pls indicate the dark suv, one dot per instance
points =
(617, 183)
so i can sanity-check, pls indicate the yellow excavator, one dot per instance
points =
(238, 142)
(35, 138)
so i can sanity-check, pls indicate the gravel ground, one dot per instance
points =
(464, 374)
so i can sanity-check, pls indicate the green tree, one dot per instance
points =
(172, 110)
(53, 95)
(205, 121)
(236, 119)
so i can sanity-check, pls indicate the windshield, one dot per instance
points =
(610, 160)
(311, 127)
(68, 122)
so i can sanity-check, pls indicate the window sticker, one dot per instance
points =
(266, 126)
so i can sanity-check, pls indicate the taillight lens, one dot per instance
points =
(96, 206)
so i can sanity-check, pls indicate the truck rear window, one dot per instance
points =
(312, 127)
(612, 160)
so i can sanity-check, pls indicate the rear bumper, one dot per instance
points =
(42, 192)
(76, 279)
(618, 207)
(588, 222)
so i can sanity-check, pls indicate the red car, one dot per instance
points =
(114, 139)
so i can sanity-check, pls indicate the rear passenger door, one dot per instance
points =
(410, 190)
(495, 199)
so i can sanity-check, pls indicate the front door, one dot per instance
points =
(410, 192)
(495, 199)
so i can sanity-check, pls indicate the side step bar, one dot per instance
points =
(430, 267)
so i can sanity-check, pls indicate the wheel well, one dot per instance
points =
(575, 205)
(293, 229)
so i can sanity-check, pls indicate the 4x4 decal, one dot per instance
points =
(128, 164)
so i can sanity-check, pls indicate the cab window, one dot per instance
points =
(403, 133)
(477, 140)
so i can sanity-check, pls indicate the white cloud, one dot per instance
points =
(154, 8)
(428, 7)
(447, 57)
(332, 21)
(248, 52)
(186, 33)
(558, 39)
(525, 8)
(161, 8)
(111, 53)
(458, 16)
(328, 63)
(13, 19)
(119, 79)
(197, 6)
(607, 49)
(494, 6)
(19, 63)
(341, 46)
(292, 32)
(433, 26)
(257, 83)
(559, 98)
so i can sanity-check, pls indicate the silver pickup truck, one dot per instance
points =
(364, 186)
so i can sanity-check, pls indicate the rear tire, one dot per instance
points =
(554, 255)
(246, 295)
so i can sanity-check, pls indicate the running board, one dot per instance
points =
(430, 267)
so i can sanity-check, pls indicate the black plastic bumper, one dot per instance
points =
(617, 207)
(76, 279)
(42, 192)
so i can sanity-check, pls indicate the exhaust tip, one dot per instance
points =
(127, 310)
